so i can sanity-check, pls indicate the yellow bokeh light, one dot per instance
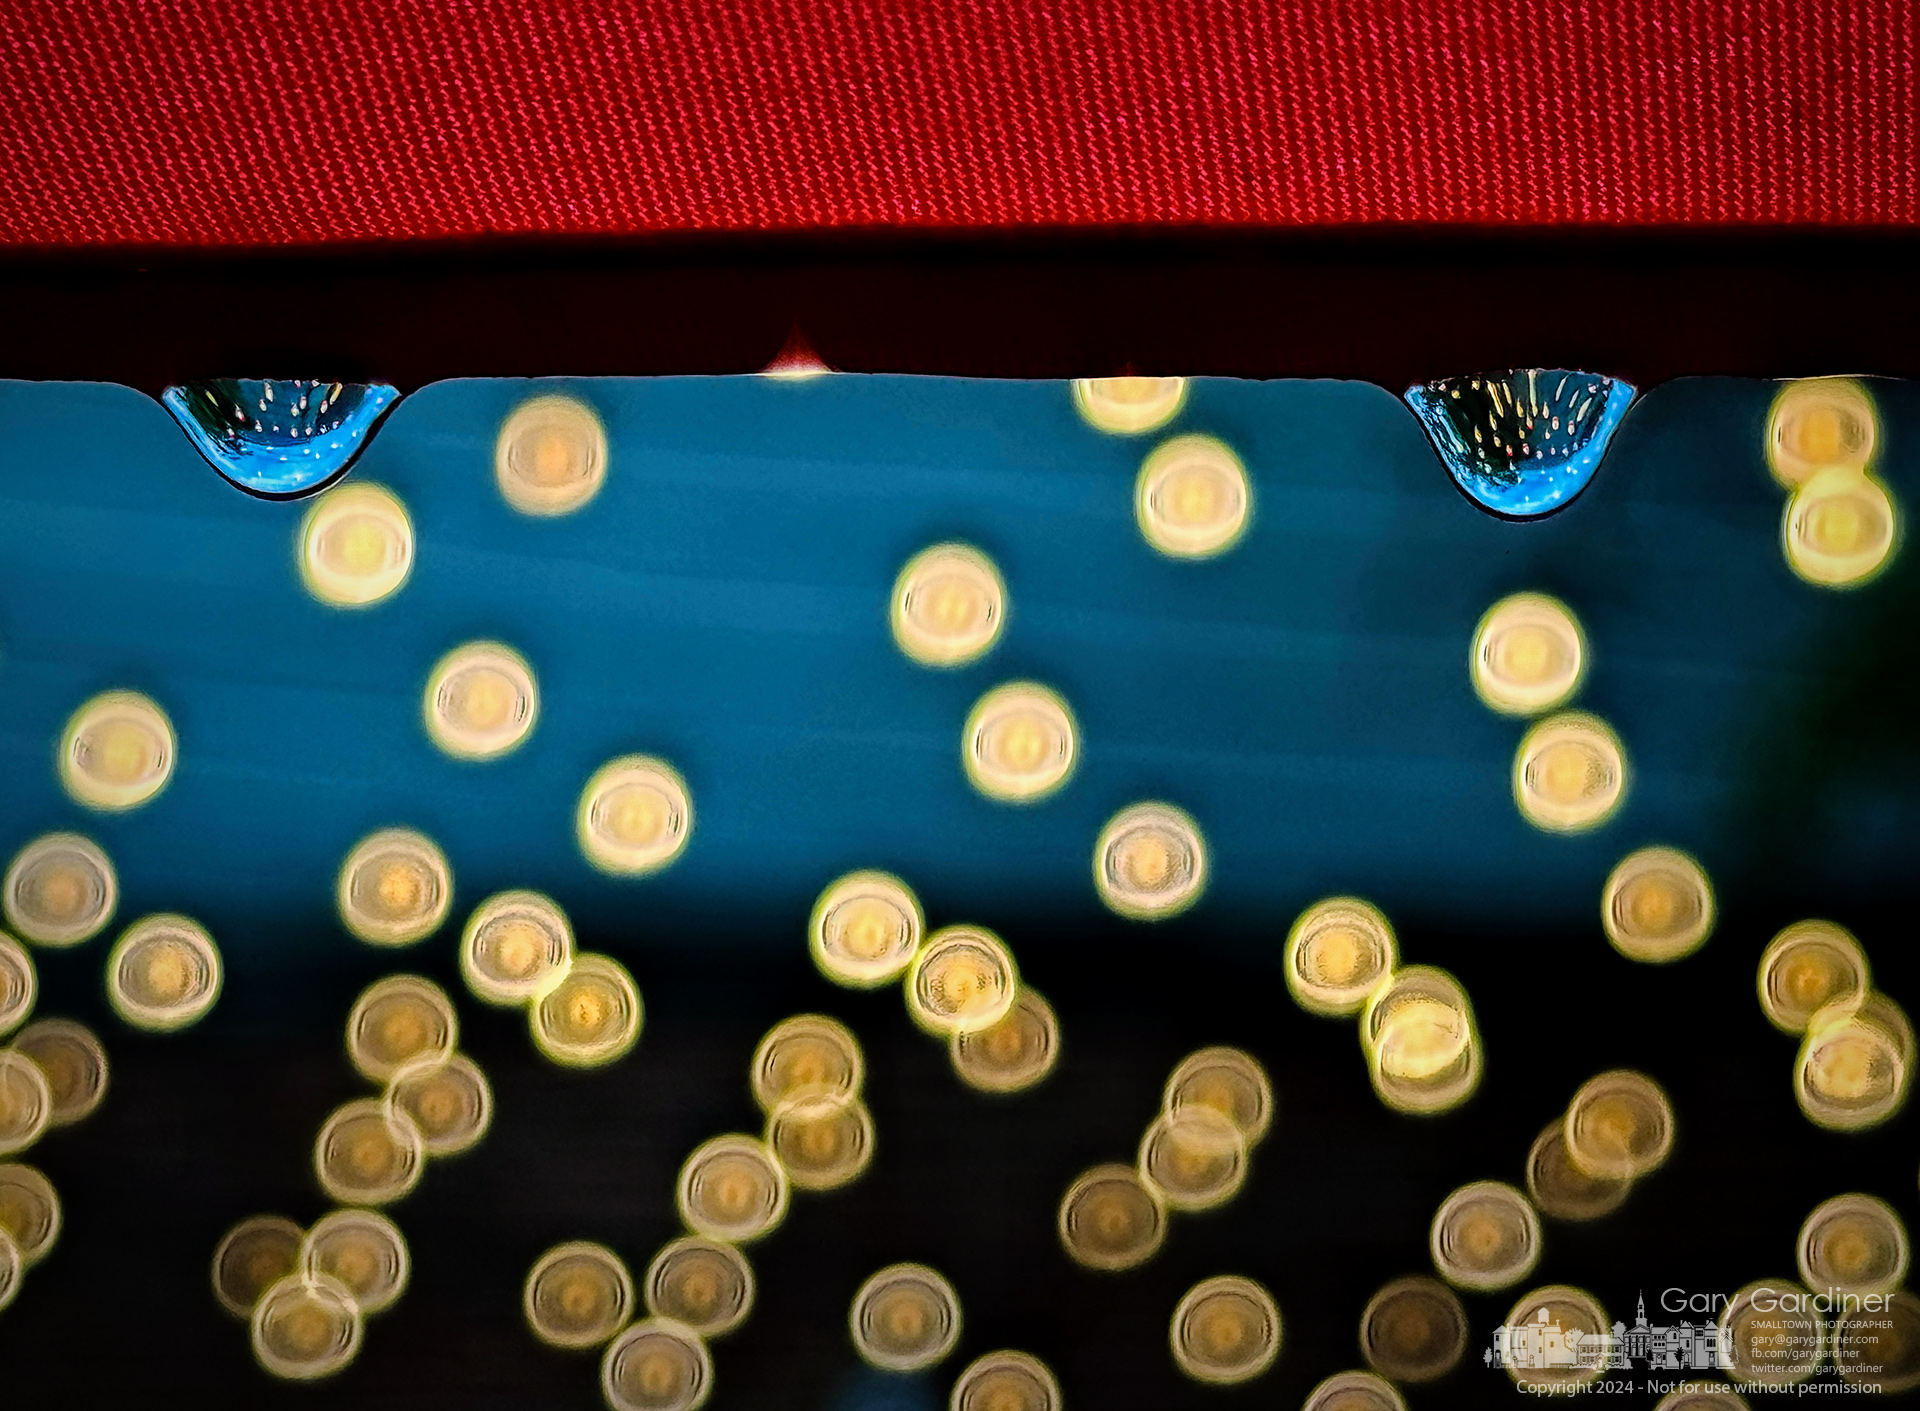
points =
(577, 1295)
(1413, 1330)
(355, 545)
(395, 887)
(962, 979)
(732, 1188)
(1225, 1331)
(514, 946)
(865, 929)
(1020, 743)
(1840, 529)
(705, 1284)
(949, 606)
(368, 1154)
(1529, 654)
(306, 1327)
(1619, 1126)
(1192, 499)
(905, 1318)
(397, 1021)
(252, 1257)
(1338, 953)
(480, 702)
(74, 1063)
(550, 457)
(1150, 862)
(1005, 1381)
(1012, 1054)
(806, 1054)
(60, 889)
(447, 1098)
(364, 1252)
(117, 752)
(588, 1015)
(1572, 1311)
(635, 816)
(1485, 1236)
(1817, 424)
(1853, 1244)
(164, 973)
(1570, 773)
(1110, 1219)
(1127, 406)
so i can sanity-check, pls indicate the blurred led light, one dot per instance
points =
(1485, 1236)
(1413, 1330)
(251, 1258)
(1231, 1082)
(589, 1016)
(1855, 1064)
(367, 1154)
(1573, 1311)
(823, 1139)
(1005, 1381)
(59, 890)
(1703, 1398)
(1020, 743)
(551, 456)
(397, 1021)
(394, 888)
(1150, 862)
(1012, 1054)
(1619, 1126)
(1808, 966)
(1529, 655)
(1839, 529)
(865, 929)
(1562, 1191)
(364, 1252)
(1853, 1244)
(1354, 1391)
(19, 984)
(11, 1270)
(74, 1063)
(656, 1365)
(1225, 1330)
(732, 1188)
(1192, 499)
(806, 1053)
(1418, 1025)
(635, 816)
(164, 973)
(355, 545)
(961, 980)
(1657, 905)
(1770, 1336)
(117, 752)
(1194, 1157)
(1820, 423)
(1110, 1219)
(949, 606)
(705, 1284)
(1570, 773)
(1338, 953)
(448, 1099)
(1127, 406)
(306, 1327)
(480, 701)
(1440, 1091)
(906, 1318)
(577, 1295)
(29, 1212)
(513, 946)
(1880, 1348)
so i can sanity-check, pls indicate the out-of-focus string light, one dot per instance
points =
(550, 457)
(656, 1365)
(355, 545)
(1013, 1054)
(1562, 1191)
(635, 816)
(1417, 1031)
(1657, 905)
(1808, 966)
(480, 701)
(1231, 1082)
(1619, 1126)
(577, 1295)
(865, 929)
(397, 1021)
(306, 1327)
(1853, 1244)
(1127, 406)
(29, 1211)
(447, 1098)
(252, 1257)
(19, 984)
(1110, 1219)
(75, 1065)
(949, 606)
(1570, 773)
(364, 1252)
(164, 973)
(1770, 1334)
(368, 1153)
(1529, 655)
(1150, 862)
(1354, 1391)
(1840, 529)
(395, 888)
(60, 890)
(1820, 423)
(1192, 499)
(1485, 1236)
(1195, 1157)
(1225, 1331)
(962, 979)
(1880, 1348)
(1338, 953)
(823, 1139)
(807, 1053)
(513, 946)
(1413, 1330)
(117, 752)
(1005, 1381)
(1020, 743)
(1855, 1064)
(588, 1015)
(905, 1318)
(732, 1188)
(26, 1102)
(707, 1285)
(1575, 1312)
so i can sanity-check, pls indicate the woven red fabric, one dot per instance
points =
(217, 122)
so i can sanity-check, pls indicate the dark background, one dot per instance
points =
(200, 1125)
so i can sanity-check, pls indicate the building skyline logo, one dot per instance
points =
(1543, 1344)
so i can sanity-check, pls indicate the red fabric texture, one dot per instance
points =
(217, 122)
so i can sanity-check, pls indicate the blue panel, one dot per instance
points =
(723, 602)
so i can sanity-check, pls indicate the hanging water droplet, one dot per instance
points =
(281, 456)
